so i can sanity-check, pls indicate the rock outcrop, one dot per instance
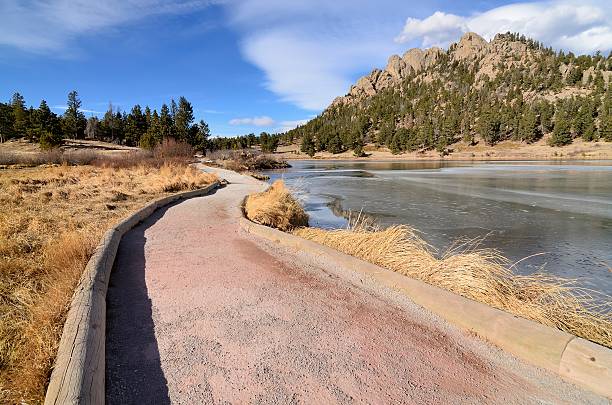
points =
(469, 47)
(472, 50)
(414, 61)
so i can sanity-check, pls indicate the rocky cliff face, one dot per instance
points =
(471, 49)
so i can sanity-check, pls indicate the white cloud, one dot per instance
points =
(312, 51)
(581, 27)
(47, 26)
(435, 30)
(285, 126)
(83, 110)
(263, 121)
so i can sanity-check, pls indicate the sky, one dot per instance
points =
(250, 65)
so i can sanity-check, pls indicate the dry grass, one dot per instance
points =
(276, 207)
(480, 274)
(170, 151)
(51, 218)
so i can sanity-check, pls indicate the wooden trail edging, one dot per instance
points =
(577, 360)
(78, 372)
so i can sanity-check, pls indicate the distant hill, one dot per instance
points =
(511, 88)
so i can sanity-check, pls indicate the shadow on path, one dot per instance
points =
(133, 366)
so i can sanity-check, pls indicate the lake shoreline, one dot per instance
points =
(507, 150)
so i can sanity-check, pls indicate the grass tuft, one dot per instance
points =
(276, 207)
(482, 275)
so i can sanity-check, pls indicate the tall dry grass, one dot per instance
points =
(482, 275)
(276, 207)
(51, 218)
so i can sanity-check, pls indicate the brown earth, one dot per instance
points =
(201, 312)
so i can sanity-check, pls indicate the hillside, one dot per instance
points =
(509, 89)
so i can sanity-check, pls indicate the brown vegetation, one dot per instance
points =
(246, 160)
(480, 274)
(276, 207)
(50, 221)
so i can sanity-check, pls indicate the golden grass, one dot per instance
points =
(50, 222)
(276, 207)
(480, 274)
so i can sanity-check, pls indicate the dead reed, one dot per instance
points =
(482, 275)
(276, 207)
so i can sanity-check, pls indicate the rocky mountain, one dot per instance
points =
(471, 49)
(509, 88)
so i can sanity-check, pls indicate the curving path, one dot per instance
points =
(201, 312)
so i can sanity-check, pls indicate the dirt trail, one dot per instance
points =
(200, 312)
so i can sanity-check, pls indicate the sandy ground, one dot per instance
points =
(507, 150)
(201, 312)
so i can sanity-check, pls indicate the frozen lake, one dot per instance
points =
(561, 212)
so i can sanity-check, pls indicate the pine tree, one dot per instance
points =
(20, 115)
(396, 143)
(6, 122)
(584, 121)
(74, 119)
(605, 123)
(183, 118)
(166, 124)
(152, 137)
(46, 127)
(202, 133)
(335, 144)
(489, 126)
(308, 145)
(135, 126)
(562, 131)
(528, 127)
(43, 119)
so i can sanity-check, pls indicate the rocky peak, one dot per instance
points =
(470, 45)
(414, 59)
(431, 56)
(396, 67)
(471, 48)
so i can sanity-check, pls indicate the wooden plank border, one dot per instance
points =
(79, 369)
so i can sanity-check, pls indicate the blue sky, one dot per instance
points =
(249, 65)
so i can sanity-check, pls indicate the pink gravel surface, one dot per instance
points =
(200, 312)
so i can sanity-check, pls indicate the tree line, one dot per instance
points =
(267, 142)
(145, 128)
(449, 102)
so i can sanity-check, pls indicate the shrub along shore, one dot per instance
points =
(482, 275)
(52, 218)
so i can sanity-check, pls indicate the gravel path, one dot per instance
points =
(200, 312)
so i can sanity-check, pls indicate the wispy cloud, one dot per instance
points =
(48, 26)
(83, 110)
(285, 126)
(311, 51)
(263, 121)
(267, 122)
(582, 27)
